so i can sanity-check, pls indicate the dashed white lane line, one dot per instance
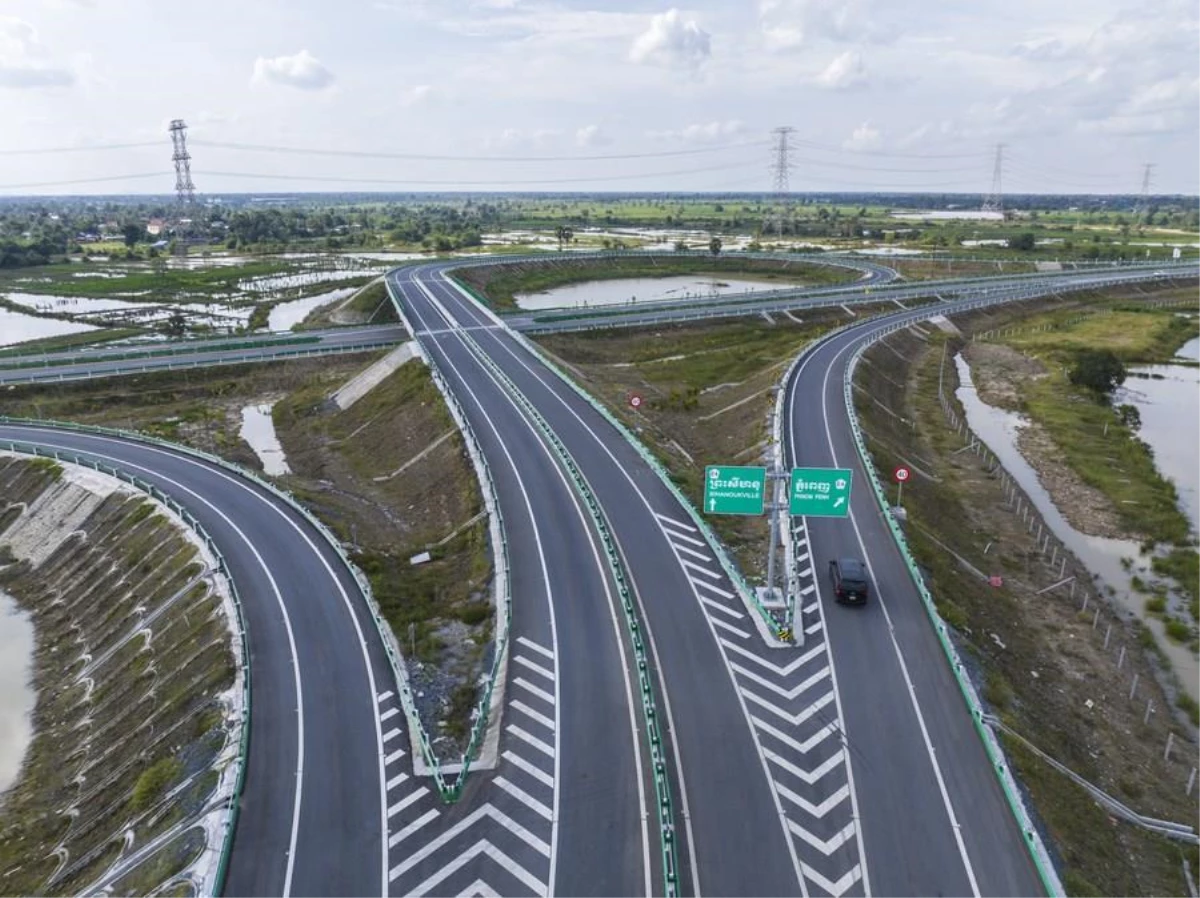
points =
(529, 687)
(417, 824)
(729, 628)
(531, 740)
(525, 662)
(405, 802)
(530, 644)
(521, 764)
(724, 609)
(524, 797)
(532, 714)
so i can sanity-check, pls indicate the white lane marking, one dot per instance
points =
(402, 804)
(835, 889)
(394, 756)
(389, 714)
(530, 644)
(712, 587)
(785, 671)
(729, 628)
(396, 780)
(521, 764)
(667, 520)
(484, 412)
(814, 810)
(808, 589)
(814, 627)
(705, 558)
(479, 889)
(724, 609)
(810, 608)
(803, 747)
(525, 662)
(679, 537)
(384, 696)
(529, 687)
(703, 570)
(413, 827)
(825, 846)
(531, 740)
(287, 621)
(462, 826)
(789, 694)
(803, 556)
(793, 719)
(483, 846)
(808, 776)
(524, 797)
(532, 714)
(391, 734)
(912, 692)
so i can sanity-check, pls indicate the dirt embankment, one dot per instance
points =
(999, 373)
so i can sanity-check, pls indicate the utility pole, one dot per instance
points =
(995, 200)
(780, 167)
(1144, 200)
(770, 596)
(185, 190)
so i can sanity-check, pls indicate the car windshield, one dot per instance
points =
(853, 573)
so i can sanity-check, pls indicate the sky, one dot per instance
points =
(619, 95)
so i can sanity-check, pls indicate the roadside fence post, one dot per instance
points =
(1133, 688)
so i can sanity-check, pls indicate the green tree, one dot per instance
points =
(1130, 416)
(1098, 370)
(563, 235)
(132, 233)
(1023, 241)
(176, 325)
(714, 246)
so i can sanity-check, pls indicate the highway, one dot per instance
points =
(102, 361)
(313, 815)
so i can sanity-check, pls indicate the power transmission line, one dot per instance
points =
(841, 151)
(156, 174)
(428, 157)
(45, 151)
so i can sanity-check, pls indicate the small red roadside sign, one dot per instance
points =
(902, 474)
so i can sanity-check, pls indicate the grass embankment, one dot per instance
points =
(131, 655)
(707, 390)
(937, 269)
(370, 305)
(500, 284)
(1102, 451)
(1039, 661)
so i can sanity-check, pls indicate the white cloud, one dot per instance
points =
(845, 71)
(302, 70)
(706, 132)
(782, 37)
(670, 40)
(590, 136)
(418, 93)
(23, 58)
(785, 24)
(864, 137)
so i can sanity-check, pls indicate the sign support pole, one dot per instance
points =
(900, 493)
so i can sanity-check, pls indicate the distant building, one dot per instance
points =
(155, 226)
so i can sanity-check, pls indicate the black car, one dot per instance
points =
(849, 577)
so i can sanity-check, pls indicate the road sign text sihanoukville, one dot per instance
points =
(734, 490)
(820, 492)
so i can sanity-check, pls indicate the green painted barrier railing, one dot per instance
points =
(241, 649)
(71, 356)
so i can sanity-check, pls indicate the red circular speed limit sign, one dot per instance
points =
(635, 400)
(902, 474)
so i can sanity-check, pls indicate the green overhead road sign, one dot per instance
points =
(820, 492)
(734, 490)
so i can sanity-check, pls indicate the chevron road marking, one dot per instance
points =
(479, 889)
(807, 745)
(462, 826)
(395, 756)
(724, 609)
(524, 797)
(810, 630)
(836, 889)
(521, 764)
(391, 734)
(782, 671)
(827, 846)
(384, 696)
(405, 802)
(694, 553)
(703, 570)
(530, 644)
(687, 539)
(729, 628)
(388, 714)
(811, 608)
(674, 523)
(793, 719)
(711, 588)
(803, 557)
(814, 810)
(417, 824)
(532, 714)
(809, 778)
(789, 694)
(532, 740)
(525, 662)
(396, 780)
(483, 846)
(808, 590)
(529, 687)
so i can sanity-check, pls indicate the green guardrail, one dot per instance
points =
(498, 536)
(1033, 842)
(243, 650)
(57, 358)
(662, 786)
